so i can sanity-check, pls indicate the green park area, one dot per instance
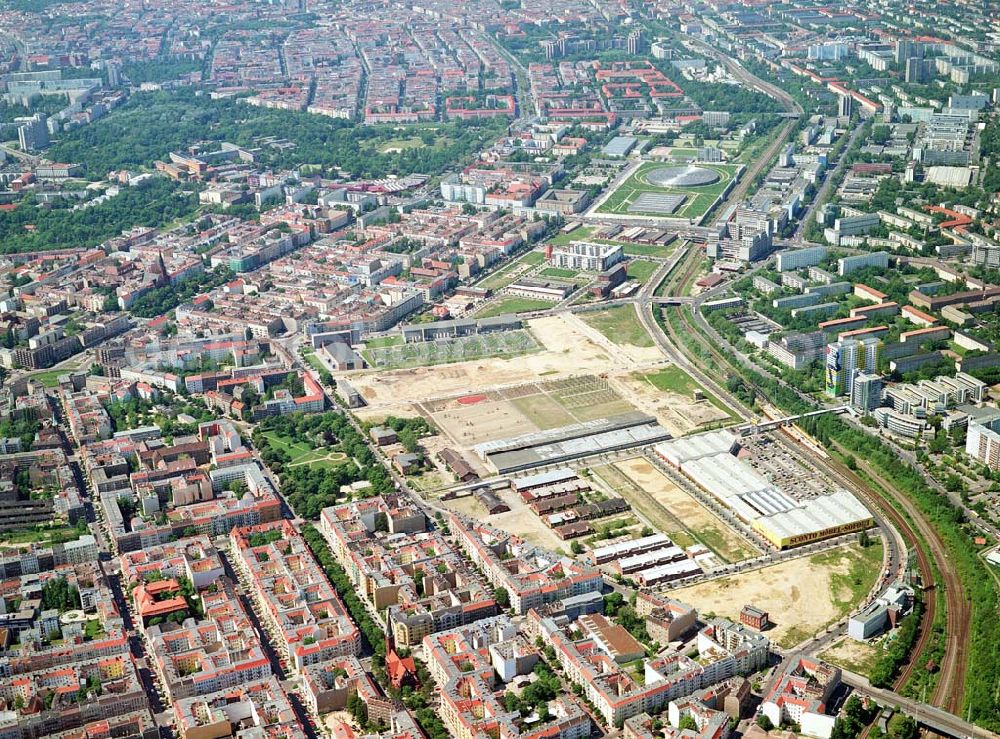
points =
(558, 273)
(509, 272)
(300, 451)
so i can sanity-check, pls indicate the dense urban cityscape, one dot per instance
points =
(499, 369)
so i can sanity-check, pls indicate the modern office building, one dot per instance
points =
(866, 393)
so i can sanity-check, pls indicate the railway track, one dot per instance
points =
(949, 690)
(923, 565)
(739, 192)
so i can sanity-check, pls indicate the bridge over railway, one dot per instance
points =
(929, 717)
(752, 428)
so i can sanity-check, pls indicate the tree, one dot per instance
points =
(687, 722)
(358, 709)
(60, 595)
(502, 597)
(612, 603)
(902, 726)
(418, 582)
(764, 722)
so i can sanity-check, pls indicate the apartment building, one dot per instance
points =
(530, 575)
(304, 615)
(725, 649)
(410, 576)
(471, 664)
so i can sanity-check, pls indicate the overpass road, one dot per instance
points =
(926, 716)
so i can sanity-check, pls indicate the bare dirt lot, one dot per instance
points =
(803, 595)
(853, 655)
(467, 420)
(677, 509)
(468, 425)
(570, 349)
(679, 414)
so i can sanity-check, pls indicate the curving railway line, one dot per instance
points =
(948, 692)
(950, 688)
(923, 566)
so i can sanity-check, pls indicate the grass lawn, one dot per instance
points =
(40, 535)
(50, 378)
(532, 258)
(641, 270)
(381, 341)
(315, 362)
(620, 325)
(93, 630)
(558, 272)
(294, 449)
(413, 142)
(647, 250)
(513, 304)
(672, 379)
(300, 453)
(580, 234)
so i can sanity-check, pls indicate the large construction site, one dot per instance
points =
(629, 423)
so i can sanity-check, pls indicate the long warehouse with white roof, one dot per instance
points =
(709, 460)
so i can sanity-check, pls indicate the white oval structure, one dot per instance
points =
(687, 176)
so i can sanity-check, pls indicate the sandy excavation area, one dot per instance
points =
(798, 595)
(570, 349)
(679, 414)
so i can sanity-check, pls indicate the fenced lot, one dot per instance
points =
(457, 349)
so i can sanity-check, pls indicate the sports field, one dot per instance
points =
(638, 195)
(513, 304)
(457, 349)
